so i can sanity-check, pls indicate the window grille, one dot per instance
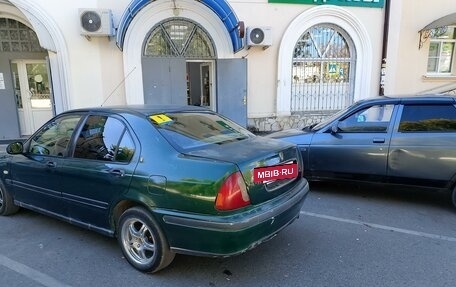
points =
(323, 70)
(179, 38)
(17, 37)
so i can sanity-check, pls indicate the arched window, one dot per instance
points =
(323, 70)
(179, 38)
(17, 37)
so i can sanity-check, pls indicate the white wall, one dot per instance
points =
(95, 66)
(407, 64)
(262, 79)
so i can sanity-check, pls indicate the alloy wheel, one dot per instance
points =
(138, 241)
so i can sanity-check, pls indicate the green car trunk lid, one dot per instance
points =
(254, 152)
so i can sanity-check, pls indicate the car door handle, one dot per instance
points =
(117, 172)
(51, 164)
(378, 140)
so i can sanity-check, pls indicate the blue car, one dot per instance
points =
(407, 141)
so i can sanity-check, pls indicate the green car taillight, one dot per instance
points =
(232, 194)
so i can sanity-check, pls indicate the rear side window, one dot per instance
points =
(428, 118)
(104, 138)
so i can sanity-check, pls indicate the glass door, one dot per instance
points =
(33, 94)
(207, 95)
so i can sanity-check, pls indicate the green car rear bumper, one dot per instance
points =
(234, 234)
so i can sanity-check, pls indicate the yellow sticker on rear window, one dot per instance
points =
(161, 119)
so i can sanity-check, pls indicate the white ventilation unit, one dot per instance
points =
(259, 36)
(96, 22)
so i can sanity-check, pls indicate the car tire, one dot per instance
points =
(453, 197)
(143, 243)
(7, 206)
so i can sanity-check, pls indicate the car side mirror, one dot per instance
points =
(15, 148)
(335, 128)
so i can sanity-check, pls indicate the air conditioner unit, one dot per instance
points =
(96, 22)
(259, 36)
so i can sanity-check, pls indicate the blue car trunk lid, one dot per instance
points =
(252, 153)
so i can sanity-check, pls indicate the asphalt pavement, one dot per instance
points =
(345, 236)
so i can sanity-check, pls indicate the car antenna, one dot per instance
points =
(115, 89)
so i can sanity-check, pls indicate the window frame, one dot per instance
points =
(441, 42)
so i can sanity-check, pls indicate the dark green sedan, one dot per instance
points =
(163, 180)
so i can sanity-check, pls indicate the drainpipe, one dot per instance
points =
(384, 47)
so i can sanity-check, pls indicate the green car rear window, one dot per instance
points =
(192, 130)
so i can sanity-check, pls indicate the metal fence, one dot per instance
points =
(323, 70)
(320, 96)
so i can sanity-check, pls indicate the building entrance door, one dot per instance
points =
(180, 66)
(33, 94)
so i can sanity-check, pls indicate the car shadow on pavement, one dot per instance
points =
(385, 193)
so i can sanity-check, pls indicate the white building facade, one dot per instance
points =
(268, 65)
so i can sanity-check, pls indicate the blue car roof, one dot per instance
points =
(410, 99)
